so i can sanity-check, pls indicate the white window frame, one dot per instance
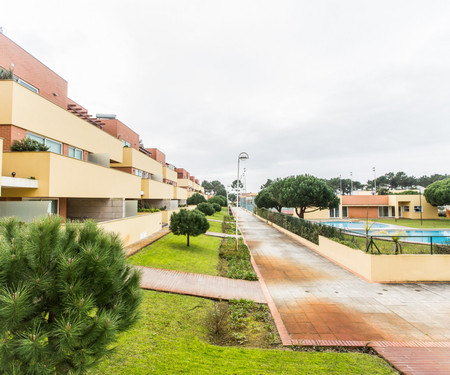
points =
(45, 141)
(75, 152)
(27, 85)
(418, 209)
(405, 208)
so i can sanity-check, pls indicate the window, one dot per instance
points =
(405, 208)
(383, 211)
(393, 211)
(54, 146)
(334, 212)
(27, 85)
(417, 208)
(345, 211)
(125, 143)
(138, 172)
(76, 153)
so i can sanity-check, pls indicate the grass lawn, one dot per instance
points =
(171, 338)
(214, 226)
(415, 223)
(171, 252)
(219, 215)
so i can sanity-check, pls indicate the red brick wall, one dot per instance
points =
(119, 130)
(33, 71)
(182, 173)
(158, 155)
(125, 169)
(363, 212)
(10, 133)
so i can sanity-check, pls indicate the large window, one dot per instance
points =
(334, 212)
(344, 211)
(54, 146)
(383, 211)
(417, 208)
(405, 208)
(76, 153)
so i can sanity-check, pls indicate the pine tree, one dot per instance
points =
(65, 294)
(188, 223)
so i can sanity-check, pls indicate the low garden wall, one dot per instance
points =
(379, 268)
(134, 228)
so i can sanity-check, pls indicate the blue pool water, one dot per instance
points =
(422, 236)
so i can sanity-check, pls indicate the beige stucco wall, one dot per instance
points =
(429, 212)
(136, 159)
(62, 176)
(156, 190)
(184, 182)
(169, 174)
(180, 193)
(133, 229)
(26, 109)
(1, 163)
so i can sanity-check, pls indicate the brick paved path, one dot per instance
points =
(200, 285)
(322, 304)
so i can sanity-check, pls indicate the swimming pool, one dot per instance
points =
(414, 235)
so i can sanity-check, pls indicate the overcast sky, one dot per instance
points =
(318, 87)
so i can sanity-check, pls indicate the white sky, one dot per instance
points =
(319, 87)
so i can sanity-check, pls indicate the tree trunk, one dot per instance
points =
(301, 213)
(188, 239)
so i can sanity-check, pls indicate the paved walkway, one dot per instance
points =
(200, 285)
(222, 235)
(320, 303)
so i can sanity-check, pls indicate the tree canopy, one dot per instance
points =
(219, 199)
(188, 223)
(264, 199)
(196, 199)
(438, 193)
(207, 208)
(65, 295)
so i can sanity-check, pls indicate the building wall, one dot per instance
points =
(98, 209)
(158, 155)
(428, 211)
(119, 130)
(136, 159)
(33, 71)
(362, 212)
(11, 133)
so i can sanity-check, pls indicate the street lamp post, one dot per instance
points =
(242, 156)
(351, 183)
(374, 180)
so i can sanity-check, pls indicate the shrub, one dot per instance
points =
(196, 199)
(206, 208)
(28, 144)
(219, 199)
(239, 266)
(217, 207)
(65, 294)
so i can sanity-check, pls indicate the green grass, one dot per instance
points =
(214, 226)
(171, 252)
(219, 215)
(415, 223)
(171, 338)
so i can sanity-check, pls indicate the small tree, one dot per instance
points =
(206, 208)
(219, 199)
(188, 223)
(264, 199)
(28, 144)
(65, 295)
(196, 199)
(438, 193)
(217, 207)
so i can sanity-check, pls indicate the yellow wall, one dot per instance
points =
(156, 190)
(429, 212)
(169, 174)
(196, 187)
(167, 214)
(136, 159)
(184, 182)
(1, 159)
(135, 228)
(26, 109)
(62, 176)
(316, 215)
(180, 193)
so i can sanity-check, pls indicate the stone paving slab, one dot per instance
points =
(320, 303)
(200, 285)
(221, 235)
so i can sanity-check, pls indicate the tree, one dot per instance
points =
(303, 192)
(266, 184)
(232, 197)
(206, 208)
(196, 199)
(264, 200)
(438, 193)
(188, 223)
(217, 207)
(219, 199)
(234, 184)
(208, 186)
(65, 295)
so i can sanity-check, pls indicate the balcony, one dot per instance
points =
(62, 176)
(156, 190)
(28, 110)
(169, 174)
(184, 182)
(136, 159)
(180, 193)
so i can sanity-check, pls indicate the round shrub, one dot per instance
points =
(217, 207)
(206, 208)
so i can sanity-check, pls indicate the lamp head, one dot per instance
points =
(243, 156)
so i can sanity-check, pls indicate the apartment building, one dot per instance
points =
(96, 166)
